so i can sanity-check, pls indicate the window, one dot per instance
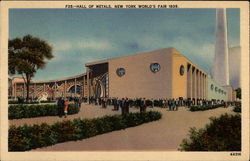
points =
(182, 70)
(155, 67)
(120, 72)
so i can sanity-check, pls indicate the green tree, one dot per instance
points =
(238, 93)
(26, 56)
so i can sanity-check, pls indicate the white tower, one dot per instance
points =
(220, 68)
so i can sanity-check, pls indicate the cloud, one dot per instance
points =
(95, 45)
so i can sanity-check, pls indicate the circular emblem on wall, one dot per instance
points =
(182, 70)
(155, 67)
(120, 72)
(212, 86)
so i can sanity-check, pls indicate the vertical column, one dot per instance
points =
(23, 89)
(64, 94)
(194, 94)
(201, 85)
(15, 90)
(34, 89)
(55, 89)
(197, 84)
(189, 81)
(43, 87)
(75, 88)
(88, 84)
(82, 89)
(206, 87)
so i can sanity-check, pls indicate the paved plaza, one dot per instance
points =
(163, 135)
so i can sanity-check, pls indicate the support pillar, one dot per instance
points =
(35, 90)
(206, 87)
(88, 84)
(24, 90)
(201, 91)
(189, 81)
(203, 86)
(55, 89)
(197, 84)
(75, 88)
(15, 90)
(194, 94)
(64, 92)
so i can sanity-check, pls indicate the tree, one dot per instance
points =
(26, 56)
(223, 133)
(238, 93)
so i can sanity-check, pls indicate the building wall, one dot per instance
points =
(213, 94)
(179, 82)
(234, 66)
(139, 80)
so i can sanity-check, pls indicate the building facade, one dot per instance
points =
(66, 87)
(163, 73)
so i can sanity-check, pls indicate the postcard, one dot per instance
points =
(124, 80)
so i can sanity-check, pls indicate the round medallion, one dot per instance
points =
(155, 67)
(120, 72)
(182, 70)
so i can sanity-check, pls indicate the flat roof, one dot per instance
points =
(57, 80)
(169, 50)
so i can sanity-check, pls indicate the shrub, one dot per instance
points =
(205, 107)
(222, 134)
(28, 111)
(25, 137)
(30, 102)
(237, 108)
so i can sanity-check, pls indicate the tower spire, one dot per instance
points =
(220, 68)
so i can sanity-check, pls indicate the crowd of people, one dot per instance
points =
(142, 103)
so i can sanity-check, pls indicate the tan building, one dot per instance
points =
(164, 73)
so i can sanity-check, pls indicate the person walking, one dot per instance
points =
(169, 104)
(177, 104)
(126, 105)
(60, 106)
(66, 106)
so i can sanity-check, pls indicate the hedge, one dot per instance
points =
(237, 108)
(26, 137)
(28, 111)
(205, 107)
(222, 134)
(30, 102)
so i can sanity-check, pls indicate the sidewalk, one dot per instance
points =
(86, 111)
(163, 135)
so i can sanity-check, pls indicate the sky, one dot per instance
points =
(79, 36)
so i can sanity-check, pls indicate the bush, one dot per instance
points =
(205, 107)
(30, 102)
(28, 111)
(25, 137)
(237, 108)
(222, 134)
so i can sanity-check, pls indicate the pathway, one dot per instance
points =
(165, 134)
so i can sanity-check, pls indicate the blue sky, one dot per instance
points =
(79, 36)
